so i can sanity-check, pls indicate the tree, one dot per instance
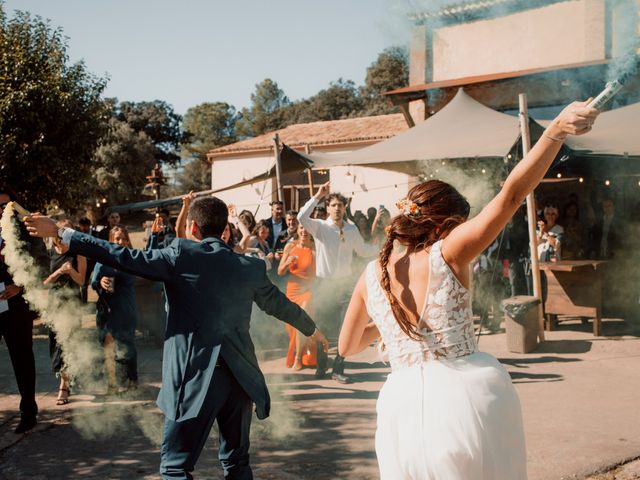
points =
(267, 110)
(51, 115)
(125, 157)
(388, 72)
(196, 176)
(340, 100)
(159, 122)
(208, 125)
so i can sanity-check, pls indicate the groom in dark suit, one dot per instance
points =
(209, 368)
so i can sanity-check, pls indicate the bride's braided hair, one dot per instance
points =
(441, 208)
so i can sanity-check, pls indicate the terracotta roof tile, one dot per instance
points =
(327, 133)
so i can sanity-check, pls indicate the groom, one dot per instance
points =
(209, 367)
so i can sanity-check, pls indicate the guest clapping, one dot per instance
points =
(66, 278)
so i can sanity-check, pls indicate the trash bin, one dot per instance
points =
(521, 323)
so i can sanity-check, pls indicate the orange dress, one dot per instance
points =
(302, 274)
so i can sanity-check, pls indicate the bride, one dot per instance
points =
(446, 411)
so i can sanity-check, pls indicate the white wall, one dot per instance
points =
(369, 187)
(562, 33)
(229, 171)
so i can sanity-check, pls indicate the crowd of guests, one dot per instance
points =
(572, 228)
(309, 256)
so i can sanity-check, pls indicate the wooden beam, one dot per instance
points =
(404, 108)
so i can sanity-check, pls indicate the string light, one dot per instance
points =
(581, 180)
(104, 200)
(607, 183)
(98, 204)
(559, 175)
(484, 171)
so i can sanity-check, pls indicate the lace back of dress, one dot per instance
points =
(446, 324)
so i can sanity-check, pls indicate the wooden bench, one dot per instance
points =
(574, 287)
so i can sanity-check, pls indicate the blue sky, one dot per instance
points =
(198, 51)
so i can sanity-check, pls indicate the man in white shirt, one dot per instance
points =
(335, 243)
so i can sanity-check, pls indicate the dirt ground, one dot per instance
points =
(579, 396)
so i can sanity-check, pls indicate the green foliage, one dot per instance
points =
(125, 157)
(267, 110)
(51, 115)
(340, 100)
(159, 122)
(389, 72)
(195, 176)
(209, 125)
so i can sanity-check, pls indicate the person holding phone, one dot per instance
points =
(116, 319)
(380, 221)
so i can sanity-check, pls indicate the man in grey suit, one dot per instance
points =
(209, 369)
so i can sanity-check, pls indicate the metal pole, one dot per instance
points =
(531, 216)
(276, 149)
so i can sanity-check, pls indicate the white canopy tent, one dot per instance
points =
(464, 128)
(615, 133)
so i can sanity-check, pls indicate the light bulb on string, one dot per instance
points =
(607, 183)
(581, 180)
(559, 175)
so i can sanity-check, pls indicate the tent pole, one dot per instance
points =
(531, 216)
(307, 150)
(276, 151)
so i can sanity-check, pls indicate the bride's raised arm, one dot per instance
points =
(469, 239)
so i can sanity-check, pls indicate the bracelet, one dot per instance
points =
(553, 138)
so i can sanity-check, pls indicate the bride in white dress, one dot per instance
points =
(446, 411)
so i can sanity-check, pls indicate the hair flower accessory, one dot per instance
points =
(408, 208)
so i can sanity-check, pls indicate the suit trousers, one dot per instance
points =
(332, 297)
(16, 327)
(228, 404)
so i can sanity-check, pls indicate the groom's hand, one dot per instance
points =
(41, 226)
(318, 336)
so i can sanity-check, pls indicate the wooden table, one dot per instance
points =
(574, 287)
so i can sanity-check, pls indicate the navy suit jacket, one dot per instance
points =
(210, 291)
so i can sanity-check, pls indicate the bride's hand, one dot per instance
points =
(575, 119)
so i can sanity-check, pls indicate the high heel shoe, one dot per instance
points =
(63, 396)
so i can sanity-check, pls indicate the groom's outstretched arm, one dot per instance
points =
(273, 302)
(152, 264)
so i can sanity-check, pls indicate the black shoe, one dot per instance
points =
(340, 378)
(321, 370)
(26, 424)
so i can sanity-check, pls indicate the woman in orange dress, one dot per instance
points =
(298, 258)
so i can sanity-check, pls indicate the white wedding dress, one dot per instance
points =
(446, 411)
